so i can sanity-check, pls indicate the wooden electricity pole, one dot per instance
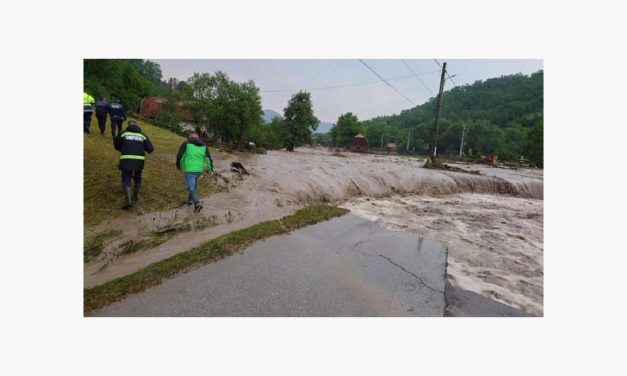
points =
(436, 126)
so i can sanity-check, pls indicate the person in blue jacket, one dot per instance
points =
(117, 113)
(133, 145)
(102, 110)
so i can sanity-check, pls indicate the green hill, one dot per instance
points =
(162, 183)
(504, 116)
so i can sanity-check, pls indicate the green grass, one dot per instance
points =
(212, 250)
(92, 246)
(162, 184)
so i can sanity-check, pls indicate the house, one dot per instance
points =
(359, 143)
(150, 106)
(391, 147)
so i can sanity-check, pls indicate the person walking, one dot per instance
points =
(88, 110)
(117, 113)
(133, 145)
(101, 113)
(191, 158)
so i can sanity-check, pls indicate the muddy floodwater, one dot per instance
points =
(494, 241)
(492, 223)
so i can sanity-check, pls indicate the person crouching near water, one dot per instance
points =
(133, 145)
(192, 156)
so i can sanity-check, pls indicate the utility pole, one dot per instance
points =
(436, 126)
(461, 144)
(408, 139)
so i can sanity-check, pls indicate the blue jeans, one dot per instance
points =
(191, 178)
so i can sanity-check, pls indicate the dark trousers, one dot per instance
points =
(86, 121)
(116, 123)
(128, 175)
(102, 123)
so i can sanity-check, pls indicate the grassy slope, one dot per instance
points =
(162, 184)
(212, 250)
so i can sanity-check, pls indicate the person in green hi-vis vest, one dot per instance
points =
(192, 157)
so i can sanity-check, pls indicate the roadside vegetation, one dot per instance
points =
(210, 251)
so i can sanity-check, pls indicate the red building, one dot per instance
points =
(359, 143)
(151, 106)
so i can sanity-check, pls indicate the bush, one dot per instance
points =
(169, 120)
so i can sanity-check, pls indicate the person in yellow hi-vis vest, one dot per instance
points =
(88, 109)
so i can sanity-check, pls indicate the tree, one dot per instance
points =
(267, 135)
(299, 121)
(484, 138)
(345, 129)
(535, 145)
(229, 109)
(119, 78)
(501, 114)
(322, 138)
(203, 103)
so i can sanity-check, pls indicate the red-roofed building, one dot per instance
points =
(359, 143)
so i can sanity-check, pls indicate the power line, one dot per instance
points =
(387, 83)
(339, 86)
(261, 74)
(251, 74)
(414, 73)
(449, 76)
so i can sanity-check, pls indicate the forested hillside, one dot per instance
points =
(504, 116)
(129, 80)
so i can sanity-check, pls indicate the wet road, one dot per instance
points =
(347, 266)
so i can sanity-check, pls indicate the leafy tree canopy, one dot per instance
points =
(299, 121)
(345, 129)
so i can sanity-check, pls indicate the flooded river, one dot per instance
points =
(492, 223)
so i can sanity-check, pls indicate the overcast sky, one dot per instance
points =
(279, 79)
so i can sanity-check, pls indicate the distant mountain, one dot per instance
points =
(268, 115)
(324, 127)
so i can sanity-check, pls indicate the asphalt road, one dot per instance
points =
(346, 266)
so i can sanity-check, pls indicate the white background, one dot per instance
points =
(43, 44)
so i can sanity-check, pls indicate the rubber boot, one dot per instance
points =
(128, 198)
(136, 191)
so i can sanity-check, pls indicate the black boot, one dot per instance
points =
(136, 192)
(128, 198)
(190, 199)
(197, 203)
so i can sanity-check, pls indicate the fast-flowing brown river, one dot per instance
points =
(492, 223)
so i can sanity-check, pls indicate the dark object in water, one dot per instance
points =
(238, 167)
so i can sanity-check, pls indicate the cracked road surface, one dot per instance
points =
(347, 266)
